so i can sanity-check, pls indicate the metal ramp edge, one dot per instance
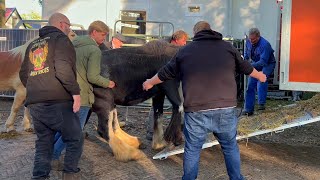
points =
(307, 119)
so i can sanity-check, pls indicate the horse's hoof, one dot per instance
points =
(29, 130)
(159, 146)
(9, 130)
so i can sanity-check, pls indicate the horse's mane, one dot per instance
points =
(21, 50)
(158, 47)
(153, 48)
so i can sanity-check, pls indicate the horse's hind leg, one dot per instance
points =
(173, 132)
(103, 105)
(18, 100)
(157, 139)
(26, 120)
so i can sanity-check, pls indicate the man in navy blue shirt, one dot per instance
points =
(260, 53)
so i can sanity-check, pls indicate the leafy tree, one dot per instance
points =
(2, 13)
(31, 16)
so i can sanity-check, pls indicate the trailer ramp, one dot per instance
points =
(171, 150)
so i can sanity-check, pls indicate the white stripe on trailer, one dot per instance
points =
(307, 119)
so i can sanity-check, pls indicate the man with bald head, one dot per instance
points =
(53, 96)
(207, 68)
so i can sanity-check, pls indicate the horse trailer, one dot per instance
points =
(298, 64)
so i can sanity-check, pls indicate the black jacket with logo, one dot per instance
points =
(48, 71)
(207, 67)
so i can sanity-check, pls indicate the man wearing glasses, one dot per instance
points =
(53, 96)
(260, 53)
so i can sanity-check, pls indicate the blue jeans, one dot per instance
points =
(59, 144)
(223, 124)
(49, 118)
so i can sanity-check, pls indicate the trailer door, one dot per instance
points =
(300, 46)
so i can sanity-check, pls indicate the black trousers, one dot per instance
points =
(49, 118)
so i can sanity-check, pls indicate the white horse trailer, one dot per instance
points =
(299, 63)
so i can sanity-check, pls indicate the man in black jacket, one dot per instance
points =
(207, 68)
(53, 96)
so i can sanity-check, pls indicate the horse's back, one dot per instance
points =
(10, 64)
(130, 67)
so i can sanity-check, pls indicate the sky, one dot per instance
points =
(24, 6)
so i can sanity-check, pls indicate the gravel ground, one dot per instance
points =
(293, 154)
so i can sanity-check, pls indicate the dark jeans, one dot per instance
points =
(49, 118)
(59, 145)
(223, 123)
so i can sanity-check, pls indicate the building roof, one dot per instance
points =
(10, 11)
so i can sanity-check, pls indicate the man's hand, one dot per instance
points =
(111, 84)
(147, 85)
(262, 77)
(76, 103)
(258, 75)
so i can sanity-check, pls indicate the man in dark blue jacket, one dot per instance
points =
(207, 68)
(260, 53)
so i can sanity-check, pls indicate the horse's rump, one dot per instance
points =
(9, 65)
(10, 62)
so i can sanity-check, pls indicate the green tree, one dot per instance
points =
(2, 13)
(31, 16)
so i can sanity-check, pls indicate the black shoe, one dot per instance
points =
(246, 113)
(261, 107)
